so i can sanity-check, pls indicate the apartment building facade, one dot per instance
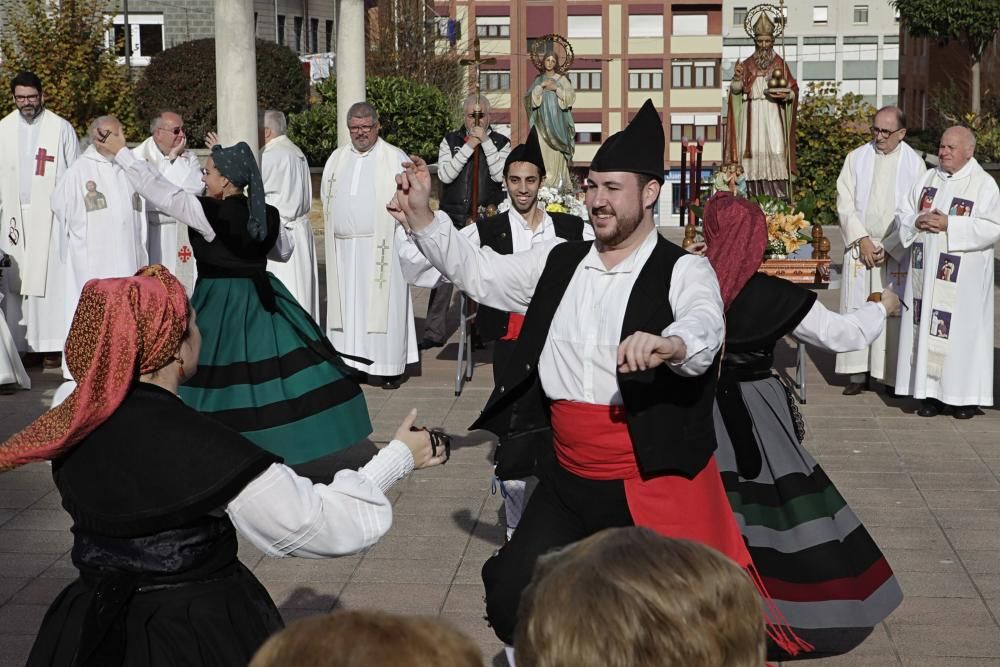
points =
(306, 26)
(855, 42)
(625, 52)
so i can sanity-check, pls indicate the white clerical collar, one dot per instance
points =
(367, 152)
(964, 172)
(636, 258)
(895, 150)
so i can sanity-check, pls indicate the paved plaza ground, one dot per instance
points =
(926, 488)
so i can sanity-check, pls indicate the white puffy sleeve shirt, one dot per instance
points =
(283, 514)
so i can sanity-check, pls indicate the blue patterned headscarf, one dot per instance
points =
(239, 165)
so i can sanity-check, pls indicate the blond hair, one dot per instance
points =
(368, 639)
(628, 596)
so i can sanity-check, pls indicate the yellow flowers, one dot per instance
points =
(783, 232)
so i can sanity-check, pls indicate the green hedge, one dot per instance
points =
(182, 79)
(413, 116)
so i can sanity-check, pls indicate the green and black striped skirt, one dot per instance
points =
(272, 376)
(823, 570)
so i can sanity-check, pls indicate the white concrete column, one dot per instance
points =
(236, 72)
(350, 62)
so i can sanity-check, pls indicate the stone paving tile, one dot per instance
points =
(949, 641)
(39, 519)
(946, 480)
(397, 598)
(40, 591)
(894, 516)
(962, 499)
(7, 514)
(939, 585)
(941, 559)
(306, 569)
(406, 571)
(14, 649)
(980, 561)
(941, 611)
(35, 541)
(21, 565)
(909, 537)
(950, 662)
(10, 585)
(21, 619)
(421, 547)
(316, 596)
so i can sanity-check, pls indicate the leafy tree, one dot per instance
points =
(182, 78)
(829, 127)
(413, 116)
(63, 43)
(971, 23)
(411, 52)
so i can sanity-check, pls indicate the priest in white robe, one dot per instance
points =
(101, 219)
(369, 311)
(12, 373)
(38, 147)
(874, 181)
(950, 222)
(288, 188)
(166, 149)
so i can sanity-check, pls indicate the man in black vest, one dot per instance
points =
(517, 229)
(470, 164)
(619, 348)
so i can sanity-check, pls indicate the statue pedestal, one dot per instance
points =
(815, 272)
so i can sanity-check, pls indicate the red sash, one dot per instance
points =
(514, 323)
(592, 441)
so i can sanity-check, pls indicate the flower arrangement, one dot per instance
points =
(783, 233)
(555, 202)
(784, 226)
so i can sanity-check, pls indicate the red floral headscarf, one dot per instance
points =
(123, 328)
(736, 234)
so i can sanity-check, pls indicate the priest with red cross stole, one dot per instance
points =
(38, 146)
(166, 149)
(620, 348)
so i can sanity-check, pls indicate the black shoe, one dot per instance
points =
(929, 408)
(890, 391)
(390, 383)
(853, 388)
(965, 412)
(427, 344)
(7, 389)
(477, 343)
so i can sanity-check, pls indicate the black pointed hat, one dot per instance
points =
(529, 151)
(638, 148)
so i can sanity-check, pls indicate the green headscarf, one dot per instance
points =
(239, 165)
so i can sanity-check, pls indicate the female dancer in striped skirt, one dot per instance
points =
(820, 566)
(265, 369)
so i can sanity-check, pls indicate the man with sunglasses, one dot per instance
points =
(38, 147)
(166, 149)
(875, 179)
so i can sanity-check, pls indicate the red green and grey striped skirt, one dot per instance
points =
(817, 561)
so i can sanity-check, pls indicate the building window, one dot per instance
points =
(588, 133)
(690, 24)
(281, 30)
(493, 27)
(861, 14)
(820, 14)
(699, 74)
(298, 34)
(313, 35)
(329, 36)
(645, 79)
(692, 132)
(645, 25)
(739, 15)
(146, 33)
(494, 82)
(585, 79)
(583, 27)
